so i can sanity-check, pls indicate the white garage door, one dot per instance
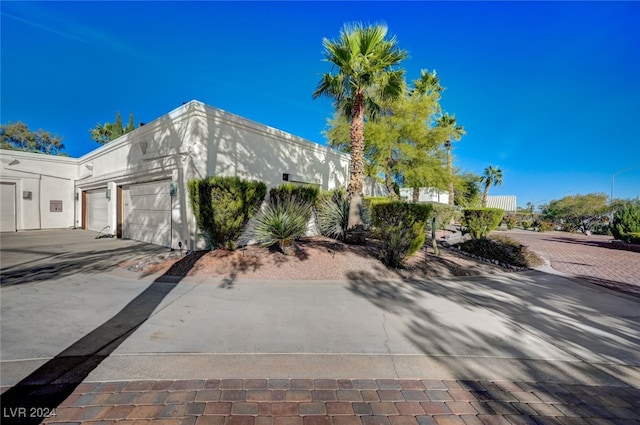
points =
(97, 210)
(8, 207)
(147, 213)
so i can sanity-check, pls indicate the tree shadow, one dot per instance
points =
(49, 385)
(498, 317)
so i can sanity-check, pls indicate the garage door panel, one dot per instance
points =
(147, 213)
(8, 208)
(97, 204)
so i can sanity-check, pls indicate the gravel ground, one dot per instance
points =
(317, 258)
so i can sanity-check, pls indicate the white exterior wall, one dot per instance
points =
(427, 194)
(48, 178)
(192, 141)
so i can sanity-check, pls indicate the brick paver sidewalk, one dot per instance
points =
(591, 258)
(347, 402)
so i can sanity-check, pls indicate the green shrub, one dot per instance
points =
(525, 224)
(333, 214)
(223, 206)
(503, 249)
(545, 226)
(511, 221)
(626, 220)
(303, 193)
(367, 205)
(401, 229)
(633, 238)
(282, 222)
(481, 221)
(443, 213)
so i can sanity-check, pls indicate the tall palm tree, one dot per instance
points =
(363, 59)
(451, 131)
(492, 177)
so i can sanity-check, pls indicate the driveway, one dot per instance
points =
(590, 258)
(113, 333)
(26, 257)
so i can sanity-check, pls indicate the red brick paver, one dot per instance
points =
(450, 402)
(587, 257)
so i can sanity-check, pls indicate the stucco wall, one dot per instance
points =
(48, 178)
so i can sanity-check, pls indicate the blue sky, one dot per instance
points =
(547, 91)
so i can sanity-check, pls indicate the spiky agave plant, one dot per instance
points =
(282, 223)
(333, 216)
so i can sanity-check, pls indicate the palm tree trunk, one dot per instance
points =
(485, 195)
(447, 145)
(416, 194)
(357, 146)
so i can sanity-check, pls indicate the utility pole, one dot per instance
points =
(613, 177)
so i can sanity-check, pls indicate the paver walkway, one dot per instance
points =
(347, 402)
(587, 257)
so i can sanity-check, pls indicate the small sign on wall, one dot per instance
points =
(55, 206)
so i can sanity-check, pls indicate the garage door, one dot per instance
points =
(8, 207)
(147, 213)
(97, 210)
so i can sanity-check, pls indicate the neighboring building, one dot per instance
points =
(506, 202)
(427, 194)
(136, 186)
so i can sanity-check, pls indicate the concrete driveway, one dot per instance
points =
(26, 257)
(73, 324)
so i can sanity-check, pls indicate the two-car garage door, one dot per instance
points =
(147, 213)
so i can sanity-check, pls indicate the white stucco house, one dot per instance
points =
(426, 194)
(135, 187)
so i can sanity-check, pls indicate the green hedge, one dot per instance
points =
(223, 206)
(443, 213)
(625, 225)
(481, 221)
(400, 227)
(307, 194)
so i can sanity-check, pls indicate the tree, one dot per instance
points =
(579, 212)
(467, 191)
(364, 60)
(105, 133)
(450, 131)
(17, 136)
(492, 177)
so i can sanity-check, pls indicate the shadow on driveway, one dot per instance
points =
(43, 390)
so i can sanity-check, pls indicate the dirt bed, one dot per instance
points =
(317, 258)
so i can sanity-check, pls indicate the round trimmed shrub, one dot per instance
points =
(481, 221)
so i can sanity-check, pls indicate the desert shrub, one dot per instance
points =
(626, 220)
(503, 249)
(480, 221)
(223, 206)
(633, 237)
(443, 213)
(367, 204)
(511, 221)
(525, 224)
(333, 214)
(282, 222)
(601, 228)
(401, 229)
(307, 194)
(545, 226)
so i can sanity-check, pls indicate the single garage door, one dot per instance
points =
(147, 213)
(97, 210)
(8, 207)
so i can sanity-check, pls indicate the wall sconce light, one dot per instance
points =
(173, 188)
(109, 194)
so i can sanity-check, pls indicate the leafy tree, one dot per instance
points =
(492, 177)
(364, 60)
(467, 190)
(451, 131)
(105, 133)
(578, 212)
(17, 136)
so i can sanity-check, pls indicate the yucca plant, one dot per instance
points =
(333, 215)
(282, 223)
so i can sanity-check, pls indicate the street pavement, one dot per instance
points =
(105, 345)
